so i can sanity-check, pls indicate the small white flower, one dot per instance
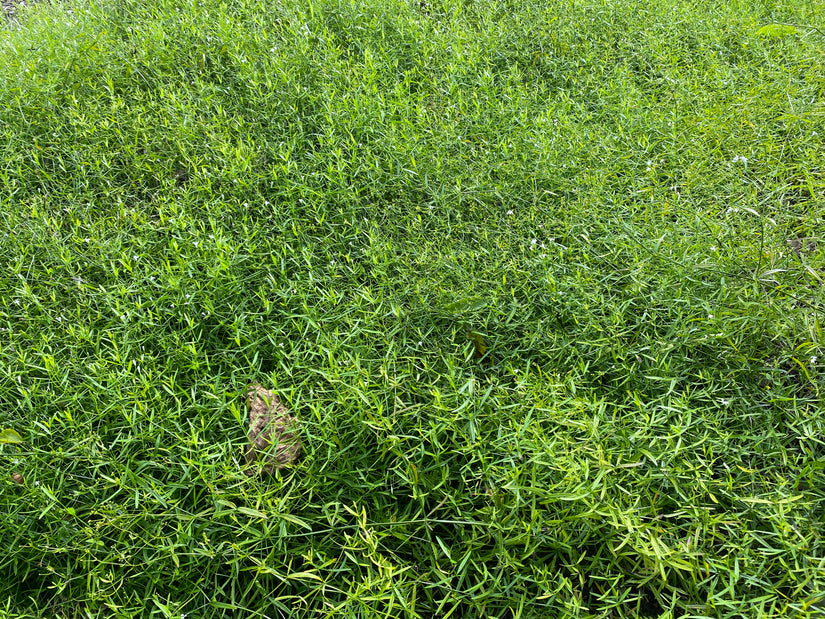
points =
(713, 248)
(710, 316)
(740, 158)
(724, 402)
(37, 483)
(135, 258)
(420, 343)
(509, 212)
(813, 360)
(195, 243)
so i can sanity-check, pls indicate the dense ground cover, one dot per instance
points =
(540, 279)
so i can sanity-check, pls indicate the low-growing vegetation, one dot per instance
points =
(542, 282)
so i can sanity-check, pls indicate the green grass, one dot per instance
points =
(349, 201)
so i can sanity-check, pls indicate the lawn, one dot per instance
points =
(542, 282)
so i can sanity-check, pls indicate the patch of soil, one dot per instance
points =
(273, 433)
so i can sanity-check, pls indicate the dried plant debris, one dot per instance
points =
(181, 177)
(273, 433)
(10, 7)
(803, 246)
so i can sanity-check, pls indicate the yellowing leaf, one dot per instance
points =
(478, 343)
(775, 31)
(305, 576)
(247, 511)
(10, 436)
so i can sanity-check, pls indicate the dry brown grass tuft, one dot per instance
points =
(273, 433)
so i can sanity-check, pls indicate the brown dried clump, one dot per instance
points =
(803, 246)
(273, 432)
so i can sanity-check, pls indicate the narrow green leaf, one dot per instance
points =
(296, 521)
(247, 511)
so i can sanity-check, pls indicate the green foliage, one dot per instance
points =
(541, 280)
